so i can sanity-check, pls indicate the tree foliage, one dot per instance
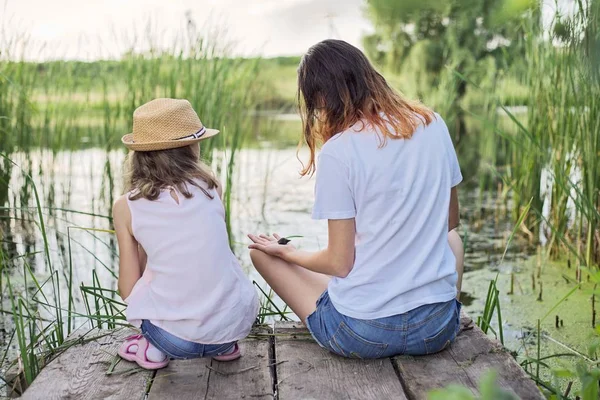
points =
(420, 38)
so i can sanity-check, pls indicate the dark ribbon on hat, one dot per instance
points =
(196, 135)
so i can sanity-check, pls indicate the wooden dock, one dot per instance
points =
(278, 363)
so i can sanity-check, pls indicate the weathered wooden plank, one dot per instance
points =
(465, 362)
(466, 322)
(423, 374)
(292, 328)
(476, 354)
(80, 372)
(182, 380)
(305, 371)
(248, 377)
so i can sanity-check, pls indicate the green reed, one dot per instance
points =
(489, 389)
(548, 158)
(562, 135)
(492, 302)
(71, 105)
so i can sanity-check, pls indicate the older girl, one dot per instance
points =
(386, 182)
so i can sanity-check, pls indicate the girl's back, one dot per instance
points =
(398, 194)
(191, 272)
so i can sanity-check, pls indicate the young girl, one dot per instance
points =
(182, 284)
(388, 280)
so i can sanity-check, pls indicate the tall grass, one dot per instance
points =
(552, 165)
(492, 302)
(59, 105)
(550, 157)
(555, 155)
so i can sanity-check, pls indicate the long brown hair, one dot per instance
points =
(147, 173)
(338, 87)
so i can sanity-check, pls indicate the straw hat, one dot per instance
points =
(163, 124)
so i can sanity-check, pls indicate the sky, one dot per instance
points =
(92, 29)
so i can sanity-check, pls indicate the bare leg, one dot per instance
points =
(299, 288)
(456, 245)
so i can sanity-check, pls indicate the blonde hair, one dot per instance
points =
(147, 173)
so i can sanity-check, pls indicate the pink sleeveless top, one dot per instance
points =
(193, 286)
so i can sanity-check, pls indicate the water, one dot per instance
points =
(268, 197)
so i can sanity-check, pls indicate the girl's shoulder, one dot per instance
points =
(122, 215)
(120, 207)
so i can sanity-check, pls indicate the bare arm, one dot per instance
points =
(130, 268)
(336, 260)
(453, 215)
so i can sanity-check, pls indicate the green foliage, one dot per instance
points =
(492, 306)
(548, 157)
(585, 372)
(562, 138)
(452, 392)
(590, 378)
(492, 302)
(419, 39)
(507, 11)
(488, 389)
(477, 27)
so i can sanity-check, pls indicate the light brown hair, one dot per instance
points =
(338, 87)
(150, 172)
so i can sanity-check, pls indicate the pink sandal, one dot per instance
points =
(139, 356)
(234, 355)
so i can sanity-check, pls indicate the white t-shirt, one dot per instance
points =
(399, 195)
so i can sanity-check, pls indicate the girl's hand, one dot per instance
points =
(269, 245)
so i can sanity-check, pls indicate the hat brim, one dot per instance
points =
(164, 145)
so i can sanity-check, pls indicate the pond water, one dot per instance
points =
(268, 196)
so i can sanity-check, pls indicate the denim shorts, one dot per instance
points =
(180, 349)
(425, 330)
